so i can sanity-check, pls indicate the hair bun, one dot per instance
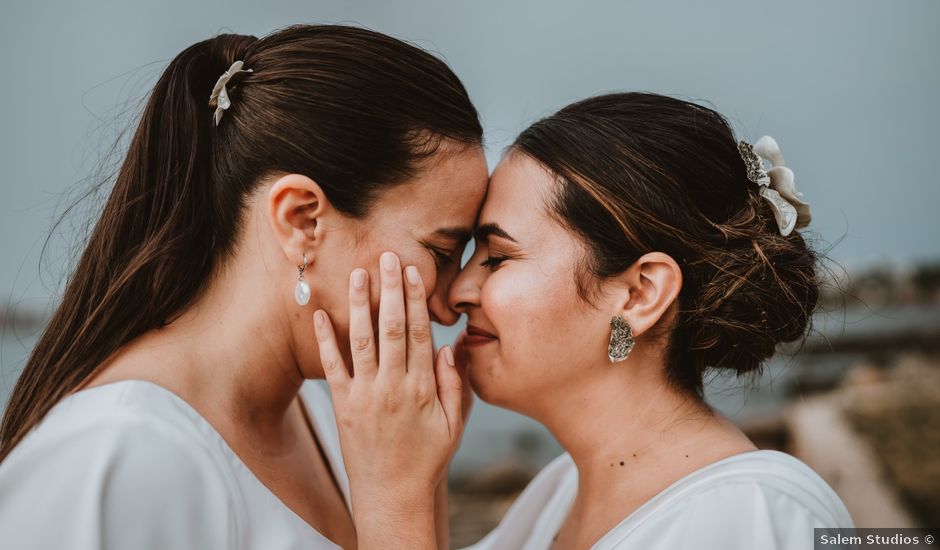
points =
(762, 292)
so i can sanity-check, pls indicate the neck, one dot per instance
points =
(621, 423)
(234, 354)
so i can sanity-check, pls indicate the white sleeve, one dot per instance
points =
(122, 484)
(730, 516)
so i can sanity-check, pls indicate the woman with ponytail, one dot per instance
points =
(166, 404)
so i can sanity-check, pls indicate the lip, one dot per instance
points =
(473, 330)
(477, 336)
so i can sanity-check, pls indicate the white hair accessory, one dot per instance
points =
(776, 184)
(219, 98)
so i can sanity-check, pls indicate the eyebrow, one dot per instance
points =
(484, 231)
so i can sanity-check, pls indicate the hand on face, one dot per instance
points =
(462, 361)
(399, 414)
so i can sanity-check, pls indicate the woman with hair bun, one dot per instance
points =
(628, 245)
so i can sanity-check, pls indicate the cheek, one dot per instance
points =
(368, 258)
(422, 260)
(426, 268)
(529, 313)
(430, 276)
(504, 302)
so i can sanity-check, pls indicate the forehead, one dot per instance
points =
(447, 192)
(516, 196)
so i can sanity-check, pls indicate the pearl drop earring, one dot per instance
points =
(302, 290)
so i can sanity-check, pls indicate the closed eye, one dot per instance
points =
(493, 261)
(442, 258)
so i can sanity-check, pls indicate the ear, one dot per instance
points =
(654, 282)
(296, 209)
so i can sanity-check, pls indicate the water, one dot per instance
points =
(495, 435)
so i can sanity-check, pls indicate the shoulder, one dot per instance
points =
(782, 481)
(109, 469)
(763, 499)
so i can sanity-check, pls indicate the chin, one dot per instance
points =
(485, 386)
(481, 393)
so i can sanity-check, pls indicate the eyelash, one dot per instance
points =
(493, 261)
(441, 258)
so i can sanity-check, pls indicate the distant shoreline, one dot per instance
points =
(21, 320)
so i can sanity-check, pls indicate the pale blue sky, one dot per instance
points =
(849, 89)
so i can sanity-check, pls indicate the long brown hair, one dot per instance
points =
(640, 172)
(353, 109)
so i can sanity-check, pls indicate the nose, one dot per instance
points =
(465, 290)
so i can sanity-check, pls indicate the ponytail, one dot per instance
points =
(151, 252)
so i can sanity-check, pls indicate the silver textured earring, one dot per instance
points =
(302, 290)
(621, 339)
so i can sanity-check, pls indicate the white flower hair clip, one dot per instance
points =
(219, 98)
(776, 184)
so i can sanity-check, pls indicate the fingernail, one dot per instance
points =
(319, 318)
(411, 273)
(388, 261)
(359, 279)
(449, 355)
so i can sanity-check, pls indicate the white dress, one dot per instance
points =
(764, 499)
(131, 465)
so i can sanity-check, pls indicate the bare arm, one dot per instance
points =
(396, 527)
(440, 513)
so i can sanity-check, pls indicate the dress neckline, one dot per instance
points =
(643, 510)
(314, 420)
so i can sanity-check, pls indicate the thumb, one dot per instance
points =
(461, 358)
(449, 389)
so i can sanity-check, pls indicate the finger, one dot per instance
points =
(392, 346)
(462, 364)
(460, 353)
(330, 357)
(462, 360)
(361, 336)
(419, 346)
(449, 390)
